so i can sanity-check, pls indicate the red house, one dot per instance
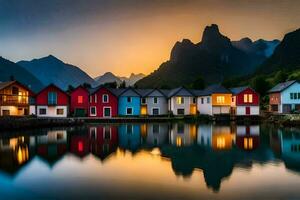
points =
(247, 137)
(103, 140)
(79, 102)
(245, 101)
(103, 102)
(80, 145)
(52, 102)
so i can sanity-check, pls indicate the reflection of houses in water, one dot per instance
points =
(223, 137)
(80, 143)
(51, 146)
(290, 148)
(247, 137)
(14, 152)
(204, 137)
(103, 140)
(130, 136)
(182, 134)
(157, 134)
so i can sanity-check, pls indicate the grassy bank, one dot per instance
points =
(284, 120)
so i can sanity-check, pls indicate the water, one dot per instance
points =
(151, 161)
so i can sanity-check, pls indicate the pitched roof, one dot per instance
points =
(114, 91)
(147, 92)
(282, 86)
(5, 84)
(238, 90)
(52, 85)
(217, 88)
(174, 91)
(126, 89)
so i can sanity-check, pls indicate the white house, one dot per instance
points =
(182, 102)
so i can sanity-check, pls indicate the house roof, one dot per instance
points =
(217, 88)
(147, 92)
(8, 83)
(238, 90)
(281, 86)
(114, 91)
(126, 89)
(52, 85)
(175, 91)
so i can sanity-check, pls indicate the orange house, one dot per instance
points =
(223, 137)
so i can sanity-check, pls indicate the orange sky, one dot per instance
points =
(136, 37)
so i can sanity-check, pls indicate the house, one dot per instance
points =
(14, 99)
(129, 102)
(247, 137)
(214, 100)
(182, 102)
(244, 101)
(52, 102)
(223, 137)
(80, 144)
(157, 134)
(79, 104)
(204, 136)
(103, 102)
(285, 97)
(153, 101)
(129, 137)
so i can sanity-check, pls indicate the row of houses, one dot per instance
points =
(102, 102)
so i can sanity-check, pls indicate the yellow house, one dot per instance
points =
(14, 99)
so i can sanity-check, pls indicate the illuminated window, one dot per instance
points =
(80, 146)
(220, 142)
(179, 141)
(248, 143)
(80, 99)
(245, 98)
(220, 99)
(179, 100)
(250, 98)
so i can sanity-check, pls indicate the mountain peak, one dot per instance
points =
(212, 38)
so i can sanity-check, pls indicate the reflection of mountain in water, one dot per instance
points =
(214, 149)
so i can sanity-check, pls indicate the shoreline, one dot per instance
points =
(31, 122)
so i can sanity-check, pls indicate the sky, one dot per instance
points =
(125, 36)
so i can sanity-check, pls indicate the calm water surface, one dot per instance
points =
(151, 161)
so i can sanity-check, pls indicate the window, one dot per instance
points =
(107, 112)
(202, 100)
(298, 95)
(52, 98)
(15, 91)
(180, 128)
(42, 111)
(155, 128)
(291, 96)
(59, 111)
(232, 99)
(248, 98)
(155, 100)
(143, 100)
(180, 111)
(105, 98)
(179, 100)
(155, 111)
(129, 111)
(95, 98)
(220, 99)
(194, 100)
(208, 100)
(129, 129)
(245, 98)
(129, 99)
(80, 99)
(91, 99)
(178, 141)
(295, 95)
(93, 111)
(107, 133)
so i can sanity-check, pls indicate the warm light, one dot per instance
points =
(156, 152)
(80, 146)
(193, 109)
(80, 99)
(20, 97)
(220, 142)
(248, 98)
(22, 155)
(144, 110)
(193, 132)
(248, 143)
(220, 99)
(179, 141)
(179, 100)
(144, 130)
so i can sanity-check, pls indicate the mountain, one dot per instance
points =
(286, 55)
(52, 70)
(9, 70)
(214, 59)
(109, 77)
(259, 47)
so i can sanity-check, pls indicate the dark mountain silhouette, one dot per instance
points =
(109, 77)
(52, 70)
(10, 70)
(214, 58)
(286, 56)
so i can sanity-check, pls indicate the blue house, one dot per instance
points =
(129, 102)
(130, 136)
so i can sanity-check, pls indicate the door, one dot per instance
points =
(107, 112)
(155, 111)
(247, 110)
(79, 112)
